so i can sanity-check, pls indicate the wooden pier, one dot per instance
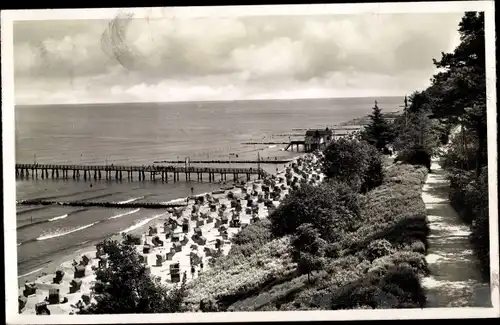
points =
(117, 172)
(297, 144)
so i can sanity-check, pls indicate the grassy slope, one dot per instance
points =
(379, 264)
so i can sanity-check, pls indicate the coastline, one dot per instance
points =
(42, 276)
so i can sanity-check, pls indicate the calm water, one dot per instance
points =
(140, 134)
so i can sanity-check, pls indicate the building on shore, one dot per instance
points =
(317, 139)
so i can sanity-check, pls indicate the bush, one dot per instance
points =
(332, 208)
(378, 248)
(354, 162)
(251, 238)
(469, 196)
(416, 155)
(128, 289)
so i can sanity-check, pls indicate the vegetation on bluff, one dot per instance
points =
(329, 246)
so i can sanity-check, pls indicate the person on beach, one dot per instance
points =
(193, 271)
(201, 265)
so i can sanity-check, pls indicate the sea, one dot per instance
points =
(140, 134)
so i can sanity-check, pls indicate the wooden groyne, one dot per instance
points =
(269, 161)
(109, 172)
(129, 205)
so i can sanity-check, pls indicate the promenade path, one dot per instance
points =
(455, 279)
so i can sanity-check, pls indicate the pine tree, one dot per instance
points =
(378, 133)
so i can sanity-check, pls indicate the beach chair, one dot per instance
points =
(177, 246)
(176, 237)
(153, 231)
(75, 285)
(169, 256)
(213, 207)
(157, 242)
(54, 296)
(224, 220)
(209, 251)
(79, 272)
(235, 222)
(85, 260)
(198, 232)
(175, 272)
(159, 260)
(143, 259)
(201, 241)
(200, 223)
(210, 219)
(42, 309)
(194, 258)
(59, 276)
(184, 240)
(22, 300)
(185, 227)
(146, 249)
(86, 299)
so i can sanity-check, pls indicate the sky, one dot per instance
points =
(217, 58)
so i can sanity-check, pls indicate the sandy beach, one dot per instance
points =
(189, 236)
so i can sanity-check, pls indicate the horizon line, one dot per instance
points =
(205, 101)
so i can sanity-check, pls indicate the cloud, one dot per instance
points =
(227, 58)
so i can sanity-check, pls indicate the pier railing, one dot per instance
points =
(96, 171)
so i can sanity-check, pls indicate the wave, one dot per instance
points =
(131, 200)
(50, 220)
(60, 234)
(124, 214)
(32, 224)
(141, 223)
(58, 218)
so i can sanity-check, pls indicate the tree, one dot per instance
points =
(459, 92)
(354, 162)
(415, 132)
(127, 288)
(308, 249)
(332, 208)
(378, 132)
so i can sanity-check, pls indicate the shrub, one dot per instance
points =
(332, 208)
(416, 155)
(354, 162)
(127, 288)
(378, 248)
(469, 196)
(251, 238)
(308, 249)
